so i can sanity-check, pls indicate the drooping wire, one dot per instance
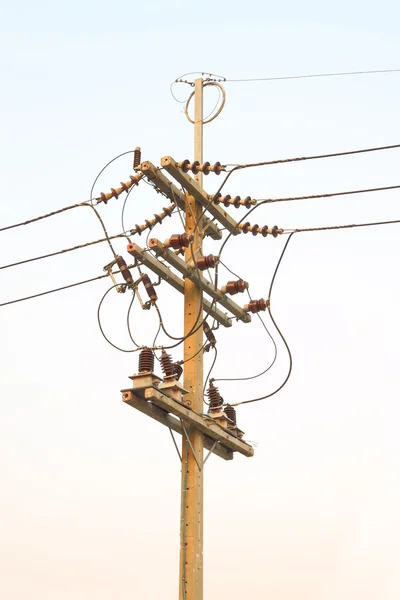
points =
(278, 330)
(210, 371)
(270, 336)
(128, 319)
(105, 167)
(100, 325)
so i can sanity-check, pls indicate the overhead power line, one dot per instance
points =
(311, 76)
(328, 195)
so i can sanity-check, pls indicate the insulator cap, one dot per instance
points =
(137, 157)
(256, 306)
(235, 287)
(209, 334)
(146, 361)
(123, 267)
(206, 262)
(231, 414)
(149, 288)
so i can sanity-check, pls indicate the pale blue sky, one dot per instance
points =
(90, 488)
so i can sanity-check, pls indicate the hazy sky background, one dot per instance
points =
(90, 488)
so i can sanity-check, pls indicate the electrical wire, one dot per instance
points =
(105, 167)
(65, 287)
(99, 320)
(210, 371)
(278, 330)
(350, 226)
(128, 320)
(270, 336)
(311, 76)
(328, 195)
(314, 157)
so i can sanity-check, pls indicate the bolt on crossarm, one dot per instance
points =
(191, 552)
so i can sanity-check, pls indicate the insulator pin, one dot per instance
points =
(146, 361)
(178, 241)
(256, 306)
(209, 334)
(206, 262)
(137, 157)
(123, 267)
(205, 168)
(235, 287)
(149, 288)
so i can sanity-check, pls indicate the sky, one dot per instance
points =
(90, 488)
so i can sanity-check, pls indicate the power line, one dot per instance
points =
(350, 226)
(311, 76)
(328, 195)
(313, 157)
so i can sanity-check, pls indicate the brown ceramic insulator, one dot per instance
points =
(205, 167)
(149, 288)
(245, 227)
(179, 240)
(247, 202)
(231, 414)
(256, 306)
(214, 397)
(124, 186)
(236, 201)
(206, 262)
(209, 334)
(195, 167)
(226, 200)
(264, 230)
(135, 180)
(235, 287)
(178, 370)
(275, 231)
(123, 267)
(146, 361)
(217, 168)
(254, 229)
(167, 366)
(185, 165)
(137, 157)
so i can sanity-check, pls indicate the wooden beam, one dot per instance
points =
(191, 273)
(206, 425)
(195, 190)
(164, 185)
(165, 273)
(174, 423)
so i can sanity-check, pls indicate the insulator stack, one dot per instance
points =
(178, 370)
(256, 306)
(209, 334)
(237, 202)
(178, 241)
(206, 262)
(167, 366)
(137, 157)
(134, 180)
(123, 267)
(157, 219)
(231, 415)
(215, 400)
(235, 287)
(265, 230)
(149, 288)
(146, 361)
(196, 167)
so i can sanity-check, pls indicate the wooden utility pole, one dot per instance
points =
(191, 553)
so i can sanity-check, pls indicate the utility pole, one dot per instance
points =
(180, 407)
(191, 553)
